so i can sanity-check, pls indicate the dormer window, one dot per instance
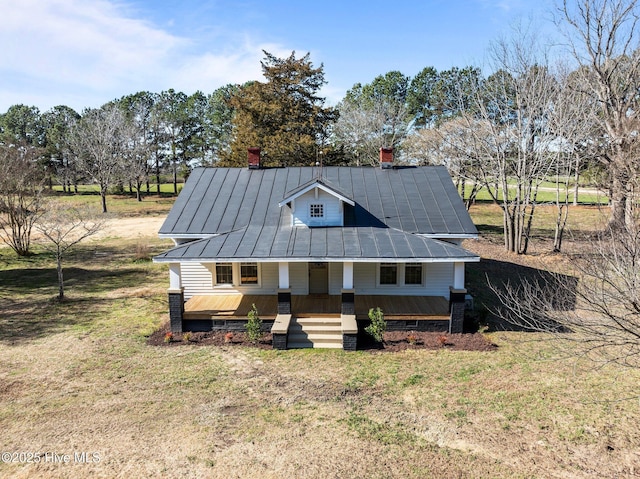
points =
(316, 210)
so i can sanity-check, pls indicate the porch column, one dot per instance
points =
(284, 291)
(458, 275)
(347, 275)
(283, 275)
(176, 298)
(348, 293)
(456, 307)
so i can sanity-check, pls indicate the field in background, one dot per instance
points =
(79, 377)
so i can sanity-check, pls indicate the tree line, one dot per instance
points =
(529, 121)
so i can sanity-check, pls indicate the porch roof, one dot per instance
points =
(272, 243)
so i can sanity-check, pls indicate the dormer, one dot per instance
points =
(316, 203)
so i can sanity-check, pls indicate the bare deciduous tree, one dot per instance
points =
(98, 140)
(509, 134)
(600, 313)
(21, 183)
(604, 38)
(63, 228)
(451, 144)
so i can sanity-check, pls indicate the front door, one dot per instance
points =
(318, 278)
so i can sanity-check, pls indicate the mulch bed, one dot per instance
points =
(393, 341)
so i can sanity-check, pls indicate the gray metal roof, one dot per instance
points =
(270, 243)
(419, 200)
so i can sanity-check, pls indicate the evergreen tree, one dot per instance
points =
(284, 116)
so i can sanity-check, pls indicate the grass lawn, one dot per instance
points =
(79, 377)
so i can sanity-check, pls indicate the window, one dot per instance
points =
(248, 273)
(413, 273)
(316, 210)
(388, 273)
(224, 273)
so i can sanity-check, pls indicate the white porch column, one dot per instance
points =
(347, 275)
(283, 275)
(458, 275)
(175, 281)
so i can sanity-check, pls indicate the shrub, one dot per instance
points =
(228, 337)
(186, 337)
(254, 325)
(378, 325)
(412, 338)
(168, 337)
(442, 339)
(142, 253)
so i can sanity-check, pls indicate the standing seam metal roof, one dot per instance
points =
(236, 211)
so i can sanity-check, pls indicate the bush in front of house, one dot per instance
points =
(254, 325)
(378, 325)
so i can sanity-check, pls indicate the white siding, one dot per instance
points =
(197, 279)
(331, 205)
(438, 277)
(299, 278)
(335, 278)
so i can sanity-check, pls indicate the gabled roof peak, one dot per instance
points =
(319, 182)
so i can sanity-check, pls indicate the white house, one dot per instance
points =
(315, 247)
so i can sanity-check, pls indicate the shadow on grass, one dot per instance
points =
(561, 288)
(31, 310)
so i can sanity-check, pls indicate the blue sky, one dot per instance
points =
(83, 53)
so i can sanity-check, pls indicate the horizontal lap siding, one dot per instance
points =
(332, 213)
(299, 278)
(197, 279)
(335, 278)
(439, 277)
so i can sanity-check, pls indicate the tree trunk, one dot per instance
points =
(60, 275)
(103, 196)
(618, 199)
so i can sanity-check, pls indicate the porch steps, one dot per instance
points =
(317, 332)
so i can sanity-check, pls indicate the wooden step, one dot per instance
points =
(315, 332)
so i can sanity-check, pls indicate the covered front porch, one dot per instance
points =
(236, 306)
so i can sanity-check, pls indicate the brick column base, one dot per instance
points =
(176, 309)
(349, 342)
(348, 301)
(279, 341)
(456, 309)
(284, 301)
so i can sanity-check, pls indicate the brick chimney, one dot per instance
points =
(386, 158)
(254, 158)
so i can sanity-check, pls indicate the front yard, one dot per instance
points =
(81, 377)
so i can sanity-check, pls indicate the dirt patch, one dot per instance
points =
(394, 341)
(138, 227)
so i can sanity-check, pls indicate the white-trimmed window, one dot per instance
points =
(388, 273)
(316, 210)
(401, 274)
(413, 274)
(248, 273)
(224, 273)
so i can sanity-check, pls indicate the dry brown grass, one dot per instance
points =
(80, 377)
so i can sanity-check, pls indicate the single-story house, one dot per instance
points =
(314, 248)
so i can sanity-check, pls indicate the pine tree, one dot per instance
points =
(284, 116)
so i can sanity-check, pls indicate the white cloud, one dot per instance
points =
(84, 53)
